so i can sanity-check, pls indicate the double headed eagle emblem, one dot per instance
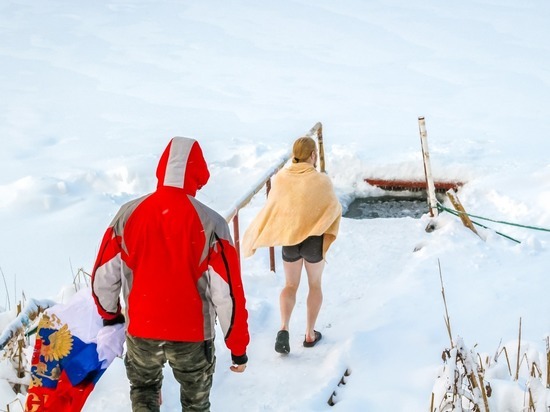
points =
(54, 342)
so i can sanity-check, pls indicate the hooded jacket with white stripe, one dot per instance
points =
(174, 261)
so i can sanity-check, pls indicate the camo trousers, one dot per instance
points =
(192, 363)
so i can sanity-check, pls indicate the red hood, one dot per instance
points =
(182, 165)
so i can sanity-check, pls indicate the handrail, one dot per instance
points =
(244, 200)
(233, 213)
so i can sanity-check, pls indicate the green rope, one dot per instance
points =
(496, 231)
(440, 207)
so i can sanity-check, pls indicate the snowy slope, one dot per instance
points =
(92, 92)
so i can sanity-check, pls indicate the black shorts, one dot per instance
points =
(311, 249)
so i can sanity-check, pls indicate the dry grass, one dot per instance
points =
(464, 371)
(81, 278)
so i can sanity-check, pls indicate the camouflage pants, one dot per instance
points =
(192, 363)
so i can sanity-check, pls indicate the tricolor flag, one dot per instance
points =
(66, 362)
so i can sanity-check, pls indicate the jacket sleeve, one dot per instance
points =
(228, 293)
(107, 276)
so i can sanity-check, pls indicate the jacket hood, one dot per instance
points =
(182, 165)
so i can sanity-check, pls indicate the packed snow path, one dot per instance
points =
(360, 295)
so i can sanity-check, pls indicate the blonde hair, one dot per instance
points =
(302, 149)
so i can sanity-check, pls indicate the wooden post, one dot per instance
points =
(271, 248)
(321, 148)
(451, 194)
(236, 235)
(432, 201)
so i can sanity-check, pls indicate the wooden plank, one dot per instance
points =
(413, 185)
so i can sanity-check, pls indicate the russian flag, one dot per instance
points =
(66, 363)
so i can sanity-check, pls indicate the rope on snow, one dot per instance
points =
(440, 207)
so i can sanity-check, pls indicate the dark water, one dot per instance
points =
(387, 207)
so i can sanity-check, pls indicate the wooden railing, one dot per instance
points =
(233, 215)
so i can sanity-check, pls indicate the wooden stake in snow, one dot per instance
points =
(432, 201)
(321, 148)
(451, 194)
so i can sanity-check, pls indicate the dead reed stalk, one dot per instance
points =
(519, 349)
(19, 408)
(483, 389)
(534, 370)
(531, 403)
(81, 277)
(507, 359)
(6, 288)
(447, 318)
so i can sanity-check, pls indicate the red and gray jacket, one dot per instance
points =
(174, 261)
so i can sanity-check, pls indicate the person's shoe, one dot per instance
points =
(318, 337)
(281, 343)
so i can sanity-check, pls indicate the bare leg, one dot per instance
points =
(287, 299)
(314, 297)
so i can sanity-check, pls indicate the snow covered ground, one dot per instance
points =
(93, 91)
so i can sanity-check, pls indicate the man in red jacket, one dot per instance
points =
(175, 262)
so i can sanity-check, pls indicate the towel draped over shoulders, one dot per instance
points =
(301, 203)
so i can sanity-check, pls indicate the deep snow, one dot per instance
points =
(92, 92)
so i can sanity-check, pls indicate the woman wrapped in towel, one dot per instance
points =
(302, 214)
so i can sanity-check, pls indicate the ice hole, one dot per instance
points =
(390, 205)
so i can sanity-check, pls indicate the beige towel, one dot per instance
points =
(300, 204)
